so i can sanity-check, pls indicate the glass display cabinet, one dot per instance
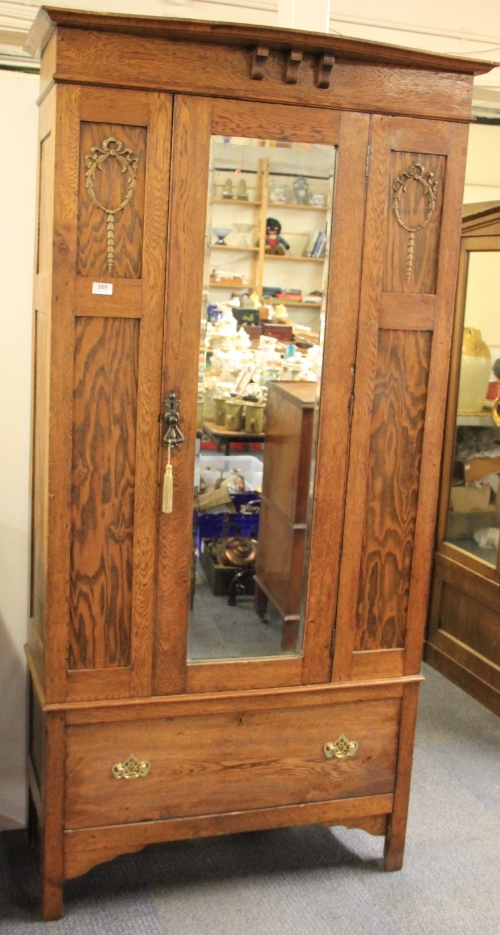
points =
(250, 236)
(463, 639)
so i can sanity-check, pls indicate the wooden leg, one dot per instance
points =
(396, 833)
(260, 601)
(52, 896)
(52, 864)
(394, 847)
(32, 832)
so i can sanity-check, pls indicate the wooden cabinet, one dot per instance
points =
(148, 702)
(285, 501)
(463, 638)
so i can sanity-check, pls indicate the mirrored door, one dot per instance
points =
(474, 500)
(249, 301)
(269, 219)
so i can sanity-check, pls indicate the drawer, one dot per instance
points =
(210, 764)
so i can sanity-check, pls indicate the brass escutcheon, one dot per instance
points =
(340, 747)
(131, 768)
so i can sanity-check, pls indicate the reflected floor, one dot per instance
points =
(471, 546)
(218, 631)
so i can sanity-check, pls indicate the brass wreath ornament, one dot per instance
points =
(114, 149)
(414, 173)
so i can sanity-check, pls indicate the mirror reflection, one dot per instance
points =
(474, 513)
(266, 261)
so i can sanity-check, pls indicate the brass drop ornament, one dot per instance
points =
(114, 149)
(414, 173)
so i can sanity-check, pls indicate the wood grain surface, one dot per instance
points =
(463, 631)
(110, 186)
(201, 765)
(184, 284)
(339, 352)
(413, 208)
(391, 507)
(60, 376)
(103, 489)
(224, 71)
(40, 475)
(396, 832)
(87, 847)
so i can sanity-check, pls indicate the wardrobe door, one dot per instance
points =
(295, 172)
(110, 221)
(409, 270)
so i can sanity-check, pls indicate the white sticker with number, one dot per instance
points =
(102, 288)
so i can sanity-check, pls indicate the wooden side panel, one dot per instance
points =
(110, 184)
(41, 369)
(419, 204)
(103, 488)
(392, 497)
(40, 475)
(287, 461)
(463, 639)
(280, 560)
(45, 195)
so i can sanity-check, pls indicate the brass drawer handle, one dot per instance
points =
(340, 747)
(131, 768)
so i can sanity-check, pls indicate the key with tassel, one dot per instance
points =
(168, 485)
(172, 438)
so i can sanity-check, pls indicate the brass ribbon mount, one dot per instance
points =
(340, 748)
(414, 173)
(115, 149)
(131, 768)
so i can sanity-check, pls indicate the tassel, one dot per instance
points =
(168, 487)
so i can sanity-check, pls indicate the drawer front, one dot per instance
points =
(210, 764)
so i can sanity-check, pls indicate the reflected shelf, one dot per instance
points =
(285, 204)
(295, 259)
(220, 246)
(236, 201)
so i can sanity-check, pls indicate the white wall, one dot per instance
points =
(482, 182)
(18, 120)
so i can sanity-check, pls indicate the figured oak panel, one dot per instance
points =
(392, 498)
(282, 748)
(110, 186)
(103, 488)
(414, 208)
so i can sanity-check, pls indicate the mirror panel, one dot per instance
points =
(474, 509)
(269, 214)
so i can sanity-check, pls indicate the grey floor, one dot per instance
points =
(309, 881)
(218, 631)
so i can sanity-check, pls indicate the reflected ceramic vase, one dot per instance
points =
(234, 415)
(254, 418)
(474, 372)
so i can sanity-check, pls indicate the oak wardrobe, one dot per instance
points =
(155, 713)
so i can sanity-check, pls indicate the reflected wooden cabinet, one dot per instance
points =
(463, 637)
(285, 500)
(134, 738)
